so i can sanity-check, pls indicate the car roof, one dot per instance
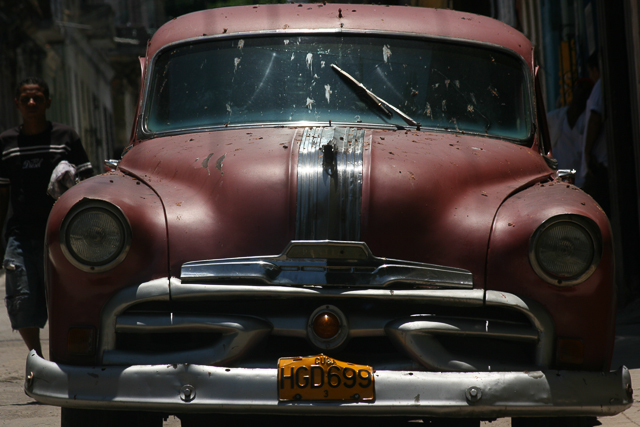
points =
(342, 17)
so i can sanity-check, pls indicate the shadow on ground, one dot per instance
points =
(627, 346)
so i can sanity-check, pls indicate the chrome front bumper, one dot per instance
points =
(181, 388)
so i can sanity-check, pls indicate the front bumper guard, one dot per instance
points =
(181, 388)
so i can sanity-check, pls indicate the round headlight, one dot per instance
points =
(565, 250)
(95, 236)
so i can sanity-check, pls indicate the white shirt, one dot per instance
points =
(599, 151)
(566, 142)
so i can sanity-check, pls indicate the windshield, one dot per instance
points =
(330, 78)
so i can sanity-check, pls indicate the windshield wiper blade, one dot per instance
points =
(377, 100)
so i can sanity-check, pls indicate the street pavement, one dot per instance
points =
(19, 410)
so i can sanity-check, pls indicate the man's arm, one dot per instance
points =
(78, 157)
(84, 174)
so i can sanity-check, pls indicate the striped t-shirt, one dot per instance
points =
(26, 166)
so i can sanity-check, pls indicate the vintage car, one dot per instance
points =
(345, 213)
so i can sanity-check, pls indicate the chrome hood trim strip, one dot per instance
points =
(329, 184)
(327, 263)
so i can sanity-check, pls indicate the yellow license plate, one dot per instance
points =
(322, 378)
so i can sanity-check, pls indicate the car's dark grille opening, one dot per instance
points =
(151, 307)
(385, 308)
(276, 347)
(165, 342)
(373, 351)
(496, 352)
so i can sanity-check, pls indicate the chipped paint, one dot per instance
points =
(205, 163)
(236, 62)
(310, 103)
(536, 375)
(386, 53)
(427, 110)
(219, 163)
(327, 93)
(309, 61)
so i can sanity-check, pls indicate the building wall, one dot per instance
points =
(632, 14)
(75, 46)
(92, 106)
(78, 75)
(80, 81)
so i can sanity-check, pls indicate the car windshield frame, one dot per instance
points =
(483, 124)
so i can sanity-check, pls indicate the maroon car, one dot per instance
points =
(346, 213)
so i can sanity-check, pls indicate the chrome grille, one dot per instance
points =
(251, 326)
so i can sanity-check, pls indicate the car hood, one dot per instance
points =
(415, 195)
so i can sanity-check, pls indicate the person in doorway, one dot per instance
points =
(30, 153)
(566, 127)
(593, 176)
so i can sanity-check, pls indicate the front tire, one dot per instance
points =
(555, 422)
(96, 418)
(207, 420)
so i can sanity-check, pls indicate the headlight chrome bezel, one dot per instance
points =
(88, 206)
(583, 224)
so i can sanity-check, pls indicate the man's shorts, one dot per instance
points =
(25, 290)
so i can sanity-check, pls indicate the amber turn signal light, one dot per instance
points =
(569, 352)
(81, 341)
(326, 325)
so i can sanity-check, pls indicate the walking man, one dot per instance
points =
(30, 152)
